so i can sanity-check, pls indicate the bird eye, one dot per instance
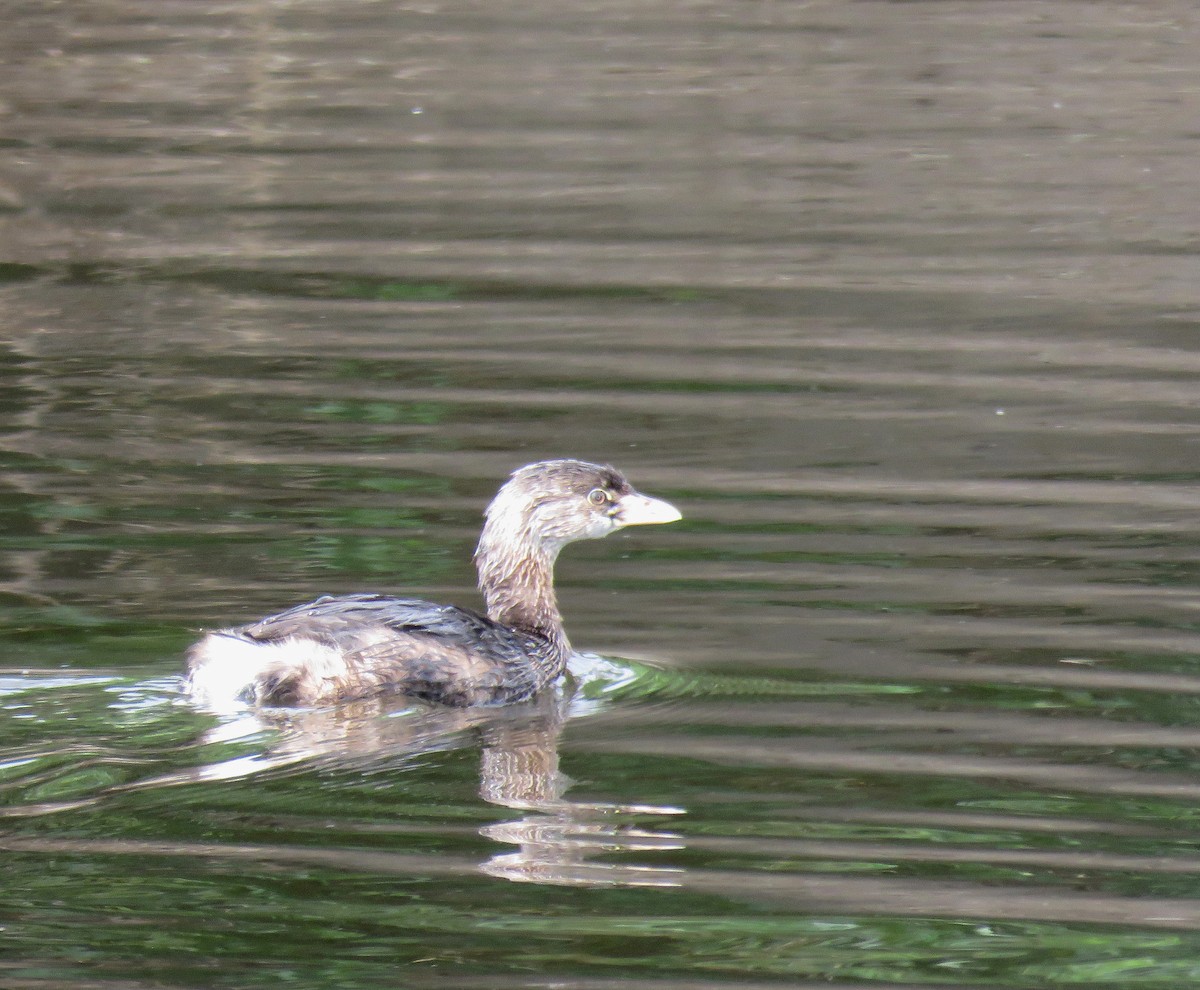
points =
(598, 496)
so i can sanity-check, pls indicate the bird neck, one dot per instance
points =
(516, 577)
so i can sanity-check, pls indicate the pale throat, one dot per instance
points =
(516, 577)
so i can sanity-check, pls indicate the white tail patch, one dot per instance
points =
(227, 672)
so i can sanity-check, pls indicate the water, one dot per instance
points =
(897, 302)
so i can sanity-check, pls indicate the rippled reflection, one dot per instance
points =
(561, 841)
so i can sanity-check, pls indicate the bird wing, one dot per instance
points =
(405, 645)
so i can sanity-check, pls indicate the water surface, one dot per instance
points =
(896, 301)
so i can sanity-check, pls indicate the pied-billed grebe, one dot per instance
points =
(354, 646)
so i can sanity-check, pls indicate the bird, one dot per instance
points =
(344, 647)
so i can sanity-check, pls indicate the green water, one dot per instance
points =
(897, 303)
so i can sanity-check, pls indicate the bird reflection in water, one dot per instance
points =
(558, 840)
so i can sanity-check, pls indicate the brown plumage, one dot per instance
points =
(353, 646)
